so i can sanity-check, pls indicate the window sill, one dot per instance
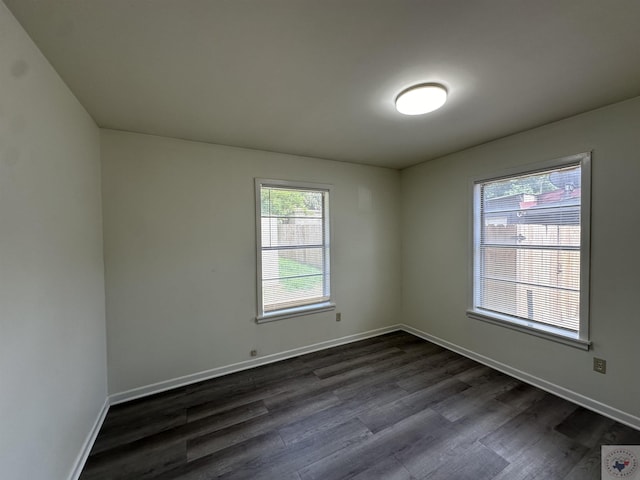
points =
(295, 312)
(544, 331)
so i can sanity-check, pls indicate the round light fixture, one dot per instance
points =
(420, 99)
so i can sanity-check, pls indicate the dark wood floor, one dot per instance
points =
(391, 407)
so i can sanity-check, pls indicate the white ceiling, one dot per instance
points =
(319, 77)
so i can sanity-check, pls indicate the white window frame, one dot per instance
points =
(578, 339)
(297, 311)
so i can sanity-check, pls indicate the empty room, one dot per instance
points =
(319, 239)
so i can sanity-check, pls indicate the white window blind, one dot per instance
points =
(528, 251)
(293, 232)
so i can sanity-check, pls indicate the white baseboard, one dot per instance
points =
(78, 465)
(236, 367)
(577, 398)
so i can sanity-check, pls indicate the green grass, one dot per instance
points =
(290, 268)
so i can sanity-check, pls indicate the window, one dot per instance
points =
(293, 249)
(531, 250)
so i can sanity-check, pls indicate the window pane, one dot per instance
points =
(502, 193)
(560, 235)
(281, 202)
(550, 234)
(551, 268)
(279, 232)
(293, 292)
(294, 249)
(295, 277)
(292, 263)
(528, 263)
(499, 263)
(540, 304)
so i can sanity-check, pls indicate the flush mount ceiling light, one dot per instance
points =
(420, 99)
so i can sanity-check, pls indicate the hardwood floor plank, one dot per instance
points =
(223, 461)
(136, 463)
(428, 455)
(323, 358)
(424, 348)
(232, 416)
(141, 426)
(388, 469)
(527, 427)
(266, 374)
(210, 442)
(297, 397)
(588, 468)
(347, 365)
(620, 434)
(302, 453)
(584, 427)
(333, 383)
(431, 375)
(215, 404)
(472, 399)
(391, 372)
(340, 413)
(357, 459)
(473, 461)
(551, 456)
(129, 411)
(521, 397)
(379, 418)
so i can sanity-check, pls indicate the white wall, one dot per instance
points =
(436, 234)
(52, 326)
(180, 255)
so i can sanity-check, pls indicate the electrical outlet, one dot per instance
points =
(599, 365)
(254, 353)
(338, 317)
